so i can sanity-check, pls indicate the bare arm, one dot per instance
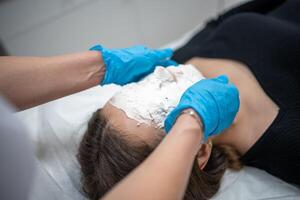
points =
(31, 81)
(165, 173)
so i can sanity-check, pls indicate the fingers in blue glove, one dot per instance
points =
(215, 100)
(96, 48)
(130, 64)
(222, 79)
(163, 54)
(166, 63)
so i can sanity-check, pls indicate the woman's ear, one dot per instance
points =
(204, 154)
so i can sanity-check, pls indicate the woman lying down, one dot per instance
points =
(131, 124)
(259, 52)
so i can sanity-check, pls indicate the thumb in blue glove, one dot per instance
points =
(131, 64)
(216, 102)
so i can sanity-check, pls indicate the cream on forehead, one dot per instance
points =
(150, 100)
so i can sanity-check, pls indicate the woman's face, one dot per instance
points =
(150, 100)
(125, 125)
(142, 107)
(139, 109)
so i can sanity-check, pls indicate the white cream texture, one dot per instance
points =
(150, 100)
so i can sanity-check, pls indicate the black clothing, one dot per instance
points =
(265, 36)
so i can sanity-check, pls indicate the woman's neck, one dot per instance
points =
(257, 111)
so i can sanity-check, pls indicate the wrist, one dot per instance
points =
(98, 51)
(187, 126)
(97, 70)
(192, 113)
(192, 118)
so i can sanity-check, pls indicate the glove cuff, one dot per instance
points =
(172, 117)
(106, 61)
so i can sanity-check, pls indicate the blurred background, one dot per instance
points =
(51, 27)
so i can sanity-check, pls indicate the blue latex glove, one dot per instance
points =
(131, 64)
(216, 102)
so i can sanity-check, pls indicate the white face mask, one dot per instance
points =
(153, 98)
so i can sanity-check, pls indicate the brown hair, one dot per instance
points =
(106, 156)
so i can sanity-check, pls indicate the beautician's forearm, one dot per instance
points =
(31, 81)
(165, 173)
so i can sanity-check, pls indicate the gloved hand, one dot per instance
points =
(131, 64)
(214, 100)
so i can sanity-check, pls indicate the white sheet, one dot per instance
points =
(56, 128)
